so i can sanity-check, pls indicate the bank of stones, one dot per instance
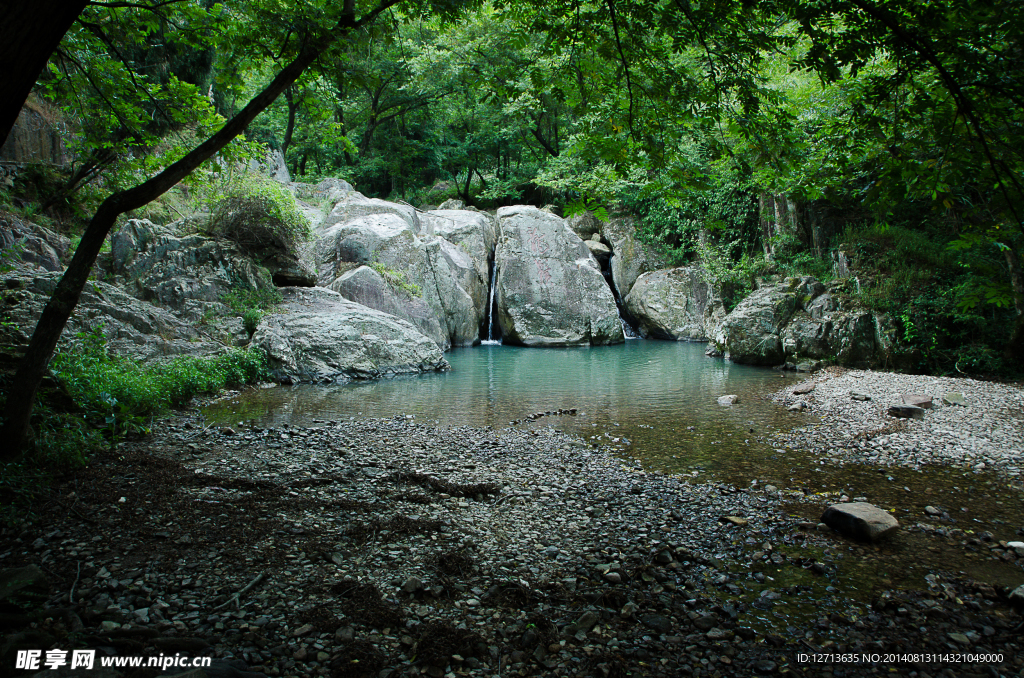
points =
(854, 425)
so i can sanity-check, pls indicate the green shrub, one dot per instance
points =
(259, 214)
(123, 395)
(397, 279)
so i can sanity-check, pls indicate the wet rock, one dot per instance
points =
(728, 400)
(860, 520)
(657, 622)
(954, 399)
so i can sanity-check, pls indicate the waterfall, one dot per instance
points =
(490, 309)
(627, 329)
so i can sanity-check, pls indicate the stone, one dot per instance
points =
(600, 251)
(959, 638)
(657, 622)
(906, 412)
(33, 245)
(550, 291)
(631, 258)
(735, 520)
(587, 621)
(705, 622)
(860, 520)
(24, 586)
(304, 630)
(954, 399)
(932, 511)
(803, 388)
(366, 286)
(728, 400)
(677, 304)
(319, 337)
(412, 585)
(863, 397)
(1016, 596)
(922, 401)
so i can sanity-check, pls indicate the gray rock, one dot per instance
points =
(630, 257)
(365, 286)
(133, 328)
(954, 399)
(906, 411)
(860, 520)
(550, 291)
(33, 245)
(916, 400)
(321, 337)
(751, 331)
(1017, 595)
(676, 304)
(476, 233)
(354, 205)
(412, 585)
(600, 251)
(728, 400)
(657, 622)
(863, 397)
(452, 204)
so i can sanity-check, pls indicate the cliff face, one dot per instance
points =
(37, 136)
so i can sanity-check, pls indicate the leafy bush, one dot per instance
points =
(258, 214)
(252, 305)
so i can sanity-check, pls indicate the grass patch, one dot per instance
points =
(397, 279)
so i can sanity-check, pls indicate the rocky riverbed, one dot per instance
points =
(390, 547)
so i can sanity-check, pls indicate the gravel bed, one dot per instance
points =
(390, 548)
(852, 405)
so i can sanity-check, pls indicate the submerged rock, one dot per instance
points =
(860, 520)
(550, 291)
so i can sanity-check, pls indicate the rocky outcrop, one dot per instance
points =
(630, 257)
(320, 337)
(23, 242)
(187, 274)
(675, 304)
(366, 286)
(550, 291)
(798, 320)
(134, 329)
(446, 264)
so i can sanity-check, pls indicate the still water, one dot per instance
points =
(657, 398)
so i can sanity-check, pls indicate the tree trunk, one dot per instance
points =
(32, 369)
(29, 34)
(1014, 350)
(293, 107)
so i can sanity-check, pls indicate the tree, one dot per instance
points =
(312, 40)
(29, 33)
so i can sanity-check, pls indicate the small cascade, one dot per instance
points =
(627, 329)
(490, 309)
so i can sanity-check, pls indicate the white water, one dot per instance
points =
(490, 310)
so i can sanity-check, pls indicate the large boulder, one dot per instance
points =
(353, 205)
(320, 337)
(550, 291)
(630, 257)
(442, 273)
(825, 330)
(676, 304)
(751, 332)
(366, 286)
(474, 232)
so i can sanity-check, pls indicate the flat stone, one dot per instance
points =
(657, 622)
(860, 520)
(906, 411)
(959, 638)
(728, 400)
(863, 397)
(932, 511)
(954, 399)
(735, 520)
(917, 400)
(803, 388)
(1017, 595)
